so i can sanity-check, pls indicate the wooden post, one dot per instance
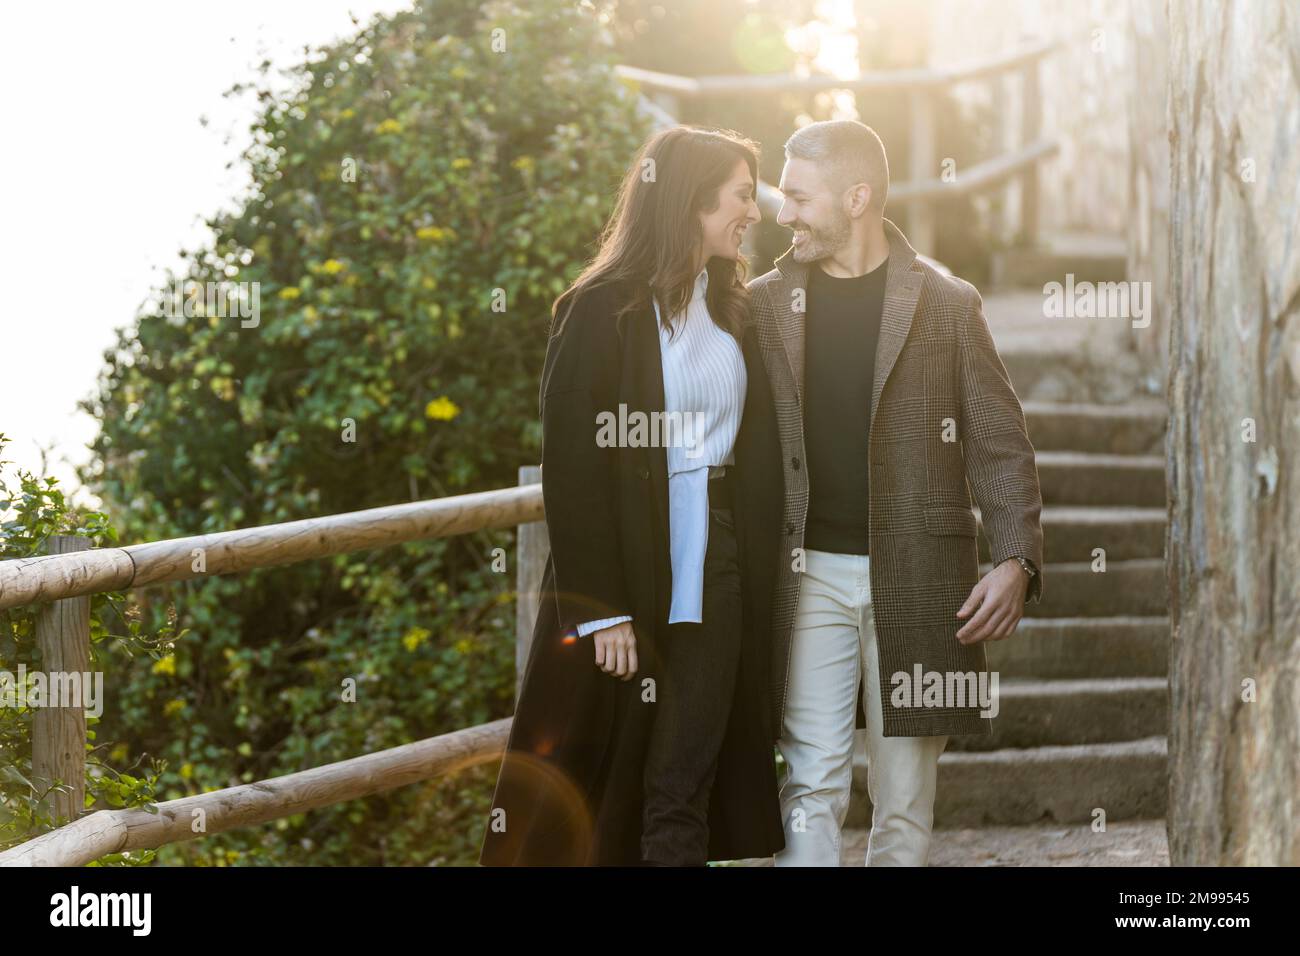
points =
(533, 544)
(922, 169)
(59, 733)
(1030, 125)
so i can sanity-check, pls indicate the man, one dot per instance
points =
(890, 399)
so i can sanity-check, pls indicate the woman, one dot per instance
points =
(642, 733)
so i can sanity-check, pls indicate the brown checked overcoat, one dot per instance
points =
(936, 369)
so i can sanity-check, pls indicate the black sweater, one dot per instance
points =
(842, 329)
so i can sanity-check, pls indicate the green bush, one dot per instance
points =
(482, 175)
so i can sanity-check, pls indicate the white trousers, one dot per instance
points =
(832, 654)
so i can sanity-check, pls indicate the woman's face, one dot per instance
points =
(725, 227)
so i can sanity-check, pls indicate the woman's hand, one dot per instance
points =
(616, 650)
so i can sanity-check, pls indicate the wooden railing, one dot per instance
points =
(924, 189)
(117, 831)
(63, 580)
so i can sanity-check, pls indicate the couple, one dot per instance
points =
(707, 598)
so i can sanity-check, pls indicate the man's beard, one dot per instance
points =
(823, 242)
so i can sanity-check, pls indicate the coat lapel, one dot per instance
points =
(902, 291)
(792, 287)
(643, 367)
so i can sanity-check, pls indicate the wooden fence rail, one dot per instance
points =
(48, 578)
(188, 818)
(884, 81)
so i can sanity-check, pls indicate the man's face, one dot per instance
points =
(812, 210)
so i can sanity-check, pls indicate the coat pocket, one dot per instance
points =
(950, 519)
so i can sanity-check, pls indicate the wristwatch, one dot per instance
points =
(1027, 567)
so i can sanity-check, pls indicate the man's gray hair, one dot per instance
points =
(848, 152)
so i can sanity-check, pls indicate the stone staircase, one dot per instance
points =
(1083, 683)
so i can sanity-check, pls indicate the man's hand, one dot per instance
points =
(616, 650)
(1000, 597)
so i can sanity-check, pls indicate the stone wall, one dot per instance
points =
(1233, 540)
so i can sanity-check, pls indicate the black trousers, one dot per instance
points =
(699, 664)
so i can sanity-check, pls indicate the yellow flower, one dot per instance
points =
(290, 292)
(414, 638)
(332, 266)
(463, 646)
(461, 163)
(347, 113)
(431, 233)
(525, 163)
(442, 409)
(388, 126)
(187, 771)
(173, 707)
(165, 665)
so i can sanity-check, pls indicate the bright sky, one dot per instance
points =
(107, 168)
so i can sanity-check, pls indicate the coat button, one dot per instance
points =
(795, 463)
(789, 528)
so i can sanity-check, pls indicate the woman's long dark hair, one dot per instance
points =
(652, 236)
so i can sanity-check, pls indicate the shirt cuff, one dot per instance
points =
(592, 626)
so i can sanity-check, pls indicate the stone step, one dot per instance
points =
(1091, 478)
(1039, 713)
(1126, 843)
(1072, 532)
(1062, 784)
(1124, 589)
(1052, 648)
(1088, 258)
(1135, 428)
(1066, 360)
(1061, 375)
(1123, 843)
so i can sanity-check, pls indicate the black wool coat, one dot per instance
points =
(570, 787)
